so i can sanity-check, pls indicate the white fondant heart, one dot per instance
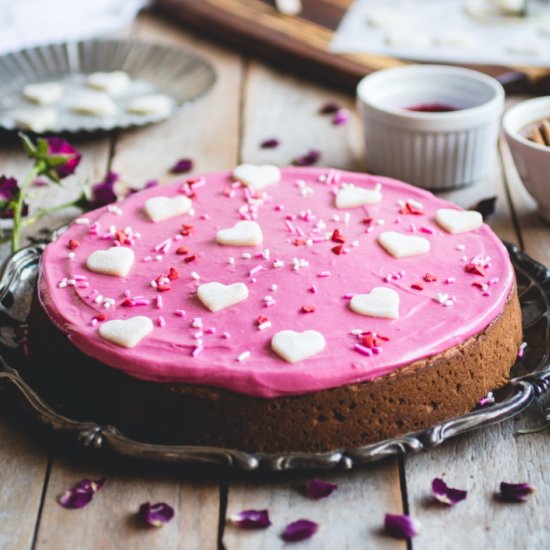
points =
(163, 208)
(43, 93)
(94, 103)
(379, 302)
(351, 196)
(217, 296)
(116, 261)
(458, 221)
(114, 83)
(295, 346)
(126, 333)
(258, 177)
(244, 233)
(401, 246)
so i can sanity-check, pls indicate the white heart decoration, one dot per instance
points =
(401, 246)
(126, 333)
(458, 221)
(163, 208)
(217, 296)
(43, 93)
(351, 196)
(114, 83)
(380, 302)
(244, 233)
(258, 177)
(295, 346)
(116, 261)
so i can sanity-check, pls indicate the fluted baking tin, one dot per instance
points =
(434, 150)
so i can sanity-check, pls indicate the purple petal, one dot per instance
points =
(329, 108)
(251, 519)
(515, 492)
(401, 526)
(148, 185)
(308, 159)
(270, 143)
(59, 146)
(486, 207)
(103, 193)
(317, 488)
(300, 530)
(341, 117)
(156, 515)
(182, 166)
(81, 494)
(445, 494)
(9, 189)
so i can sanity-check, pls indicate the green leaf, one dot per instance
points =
(52, 174)
(28, 145)
(57, 160)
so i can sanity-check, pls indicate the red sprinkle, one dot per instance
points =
(190, 258)
(186, 230)
(262, 319)
(163, 288)
(339, 249)
(100, 316)
(368, 220)
(298, 242)
(373, 340)
(477, 284)
(308, 309)
(417, 286)
(121, 237)
(126, 302)
(173, 274)
(182, 250)
(430, 277)
(476, 269)
(337, 236)
(73, 244)
(410, 209)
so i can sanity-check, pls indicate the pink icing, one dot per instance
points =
(209, 352)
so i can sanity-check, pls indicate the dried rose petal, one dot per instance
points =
(103, 193)
(486, 207)
(156, 515)
(300, 530)
(341, 117)
(81, 494)
(308, 159)
(515, 492)
(251, 519)
(317, 488)
(182, 166)
(329, 108)
(270, 143)
(148, 185)
(445, 494)
(401, 526)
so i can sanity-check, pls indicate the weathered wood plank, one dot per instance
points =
(208, 133)
(280, 106)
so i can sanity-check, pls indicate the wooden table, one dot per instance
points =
(249, 103)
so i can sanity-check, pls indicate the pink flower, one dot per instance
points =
(60, 147)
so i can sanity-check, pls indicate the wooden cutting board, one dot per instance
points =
(302, 43)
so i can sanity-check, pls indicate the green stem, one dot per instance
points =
(17, 211)
(44, 212)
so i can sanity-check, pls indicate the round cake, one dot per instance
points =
(303, 309)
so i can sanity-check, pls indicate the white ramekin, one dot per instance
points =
(436, 151)
(531, 159)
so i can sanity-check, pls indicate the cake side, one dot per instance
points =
(412, 398)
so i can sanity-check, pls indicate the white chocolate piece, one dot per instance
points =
(295, 346)
(217, 296)
(380, 302)
(94, 104)
(116, 261)
(113, 83)
(44, 93)
(155, 104)
(351, 196)
(402, 246)
(163, 208)
(458, 221)
(257, 177)
(36, 120)
(126, 333)
(243, 233)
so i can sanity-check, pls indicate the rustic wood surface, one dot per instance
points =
(251, 102)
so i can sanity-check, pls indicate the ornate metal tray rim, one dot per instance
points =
(523, 391)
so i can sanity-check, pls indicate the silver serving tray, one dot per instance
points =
(175, 72)
(530, 378)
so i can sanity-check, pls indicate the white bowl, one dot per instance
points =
(434, 150)
(531, 159)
